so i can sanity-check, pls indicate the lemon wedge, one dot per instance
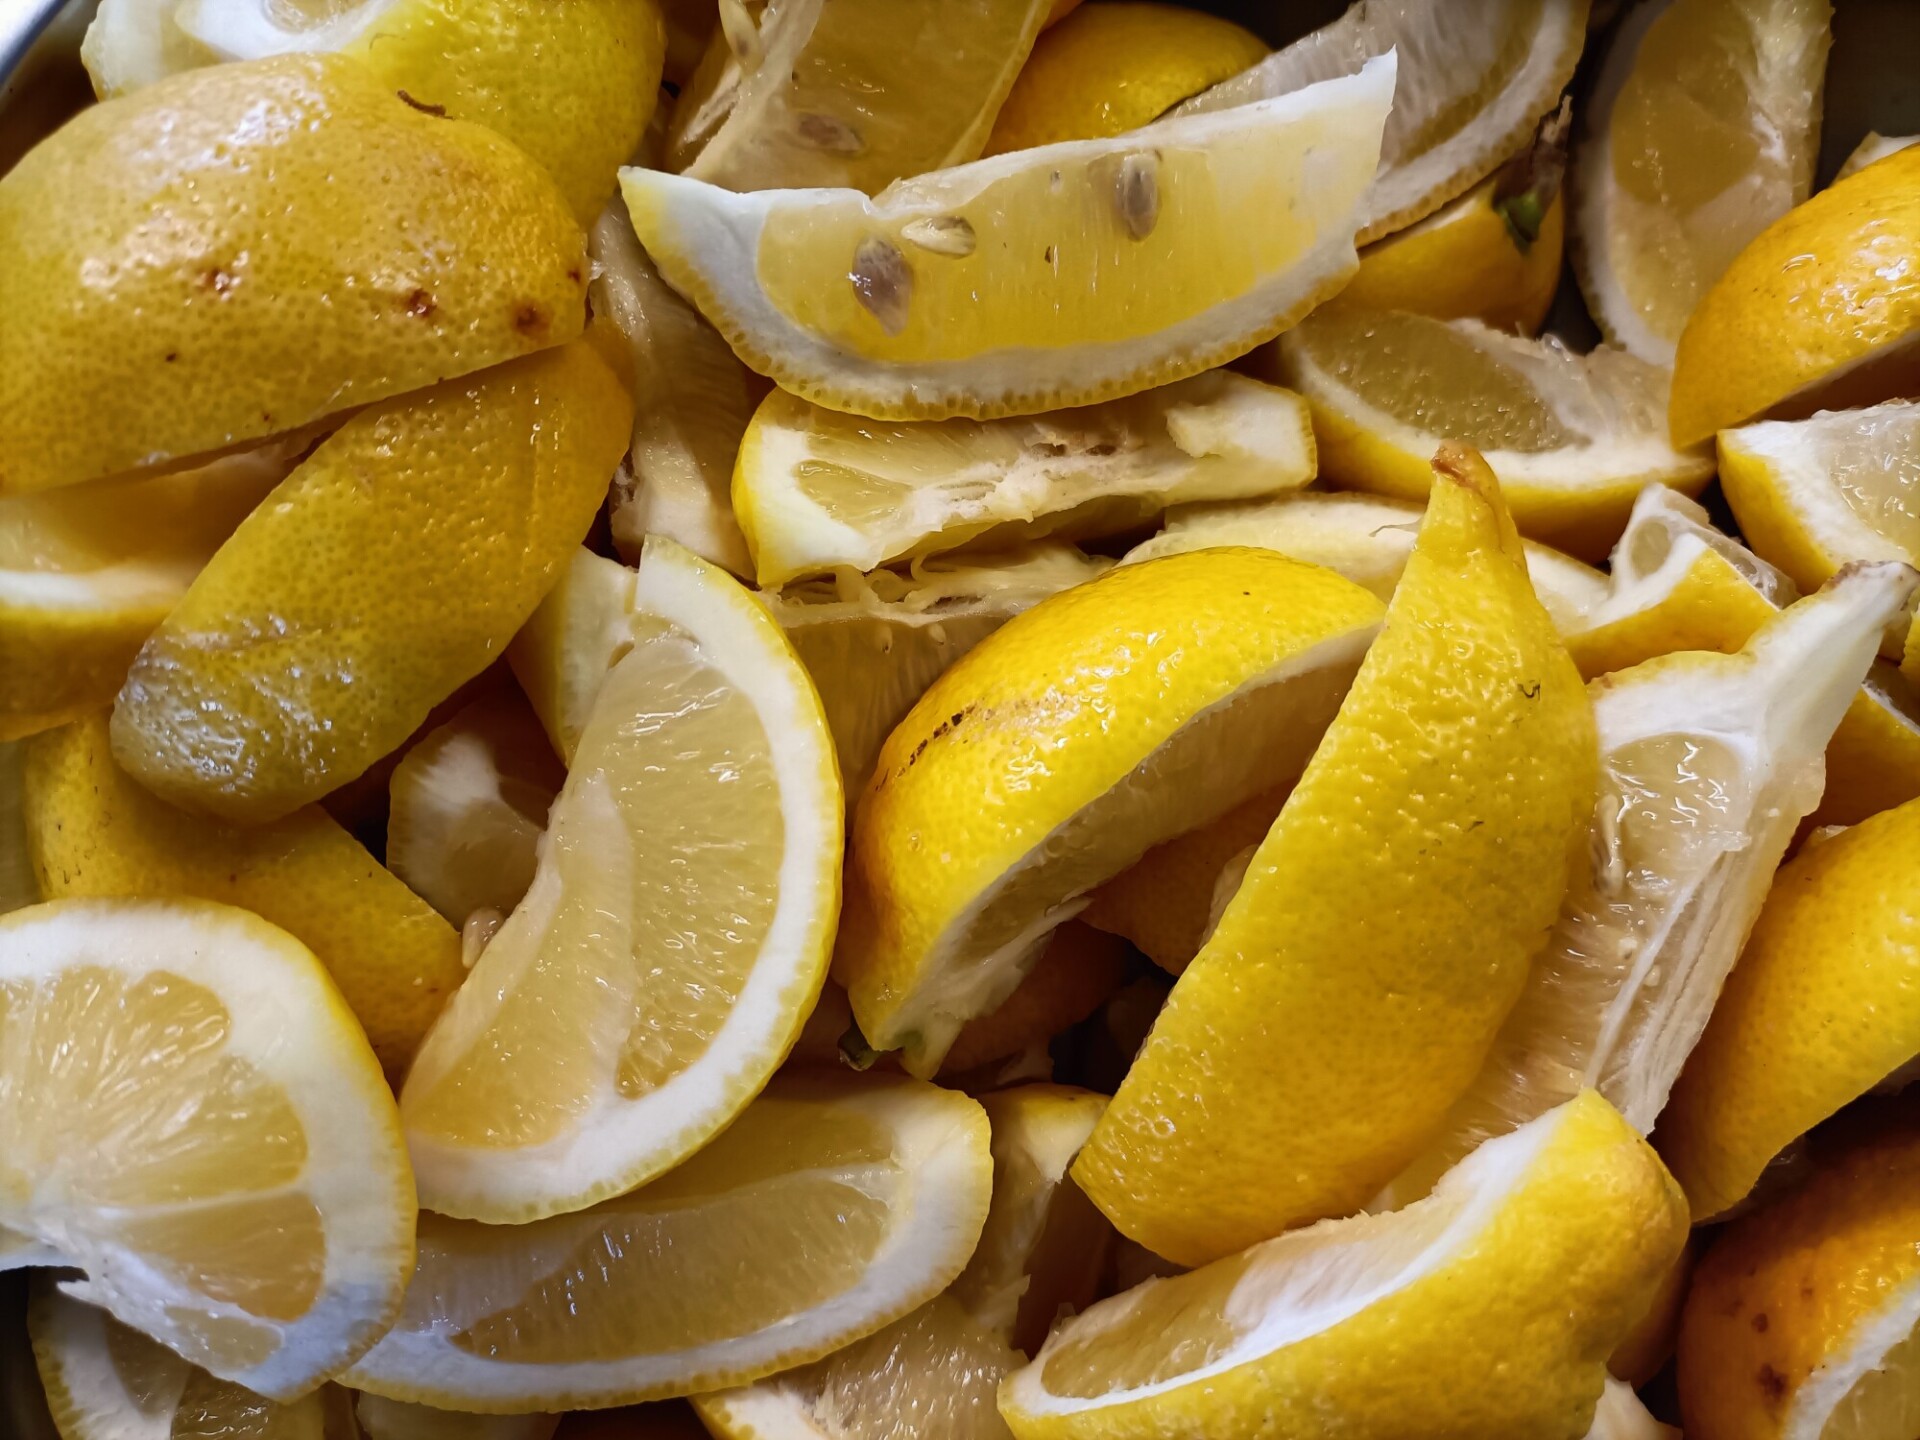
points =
(1474, 82)
(1079, 971)
(1014, 760)
(873, 643)
(1060, 276)
(853, 93)
(1708, 763)
(383, 1419)
(105, 1381)
(1367, 538)
(563, 653)
(830, 1208)
(676, 932)
(1572, 438)
(1553, 1239)
(1873, 147)
(1702, 131)
(815, 489)
(88, 571)
(193, 1118)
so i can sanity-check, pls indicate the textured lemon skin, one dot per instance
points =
(1786, 1287)
(1823, 1006)
(1043, 717)
(241, 250)
(1111, 68)
(392, 565)
(1830, 284)
(92, 832)
(1384, 929)
(1506, 1341)
(1773, 528)
(573, 84)
(57, 665)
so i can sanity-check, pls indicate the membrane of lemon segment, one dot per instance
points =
(818, 489)
(855, 93)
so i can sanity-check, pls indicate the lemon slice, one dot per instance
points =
(1708, 763)
(88, 571)
(1059, 276)
(383, 1419)
(692, 401)
(469, 805)
(17, 884)
(619, 1019)
(830, 1208)
(192, 1117)
(1813, 494)
(1550, 1241)
(1832, 1267)
(1873, 147)
(874, 643)
(1818, 312)
(1475, 79)
(1572, 438)
(852, 93)
(1385, 926)
(93, 832)
(1817, 1013)
(1703, 130)
(1014, 758)
(580, 112)
(104, 1381)
(815, 489)
(1367, 538)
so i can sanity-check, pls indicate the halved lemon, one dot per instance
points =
(1572, 438)
(831, 1207)
(1708, 763)
(1474, 81)
(1702, 131)
(1487, 1309)
(815, 489)
(1059, 276)
(1367, 538)
(854, 93)
(1054, 753)
(193, 1118)
(874, 643)
(676, 932)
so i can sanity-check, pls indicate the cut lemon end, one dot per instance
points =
(816, 489)
(1060, 276)
(586, 1054)
(265, 1229)
(830, 1208)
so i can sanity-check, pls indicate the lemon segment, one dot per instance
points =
(1702, 131)
(468, 806)
(676, 931)
(1469, 94)
(1818, 312)
(1058, 750)
(1367, 538)
(831, 1207)
(318, 638)
(692, 401)
(242, 330)
(1553, 1239)
(91, 831)
(874, 643)
(815, 489)
(848, 93)
(1106, 69)
(1817, 1013)
(1831, 1266)
(563, 653)
(1708, 764)
(1813, 494)
(1052, 277)
(105, 1381)
(88, 571)
(1873, 147)
(1572, 438)
(1386, 922)
(213, 1145)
